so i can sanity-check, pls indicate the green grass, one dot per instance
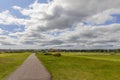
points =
(82, 67)
(9, 62)
(104, 57)
(98, 56)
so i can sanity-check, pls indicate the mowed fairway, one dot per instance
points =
(9, 62)
(82, 67)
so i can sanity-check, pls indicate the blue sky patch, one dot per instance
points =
(7, 4)
(12, 28)
(54, 33)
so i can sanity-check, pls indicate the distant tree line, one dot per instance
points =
(17, 50)
(83, 50)
(59, 50)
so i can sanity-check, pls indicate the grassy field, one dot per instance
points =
(82, 67)
(9, 62)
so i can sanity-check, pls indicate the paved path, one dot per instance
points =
(31, 69)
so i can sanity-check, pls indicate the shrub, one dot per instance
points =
(112, 54)
(47, 54)
(57, 54)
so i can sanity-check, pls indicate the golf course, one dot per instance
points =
(68, 66)
(59, 39)
(82, 66)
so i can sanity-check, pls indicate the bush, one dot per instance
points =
(57, 54)
(112, 54)
(47, 54)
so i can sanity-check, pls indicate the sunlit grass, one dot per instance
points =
(79, 67)
(9, 62)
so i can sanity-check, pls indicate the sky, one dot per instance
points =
(63, 24)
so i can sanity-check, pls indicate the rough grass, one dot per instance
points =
(79, 67)
(9, 62)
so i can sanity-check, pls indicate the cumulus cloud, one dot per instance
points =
(81, 37)
(16, 7)
(6, 18)
(1, 31)
(62, 14)
(6, 40)
(103, 17)
(65, 19)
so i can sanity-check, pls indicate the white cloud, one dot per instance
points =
(6, 40)
(6, 18)
(1, 31)
(81, 37)
(102, 17)
(16, 7)
(62, 15)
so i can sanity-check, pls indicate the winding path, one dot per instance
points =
(31, 69)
